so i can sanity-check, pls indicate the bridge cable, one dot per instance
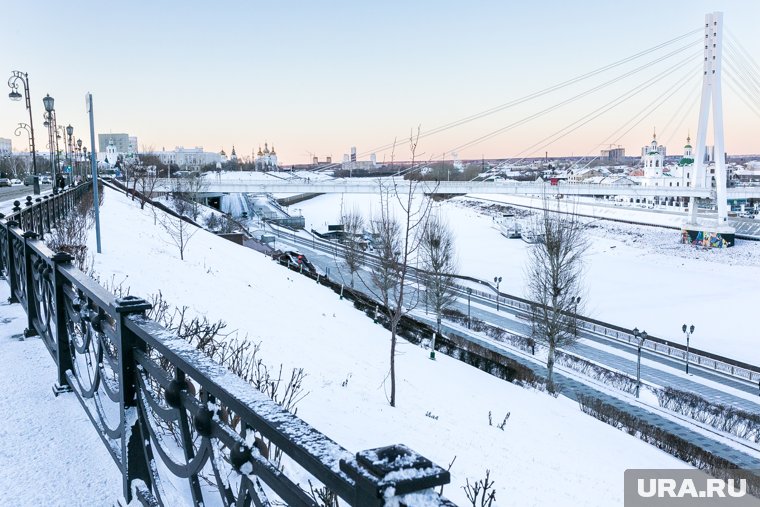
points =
(665, 96)
(522, 121)
(601, 110)
(543, 92)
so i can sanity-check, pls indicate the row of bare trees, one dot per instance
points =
(405, 234)
(420, 238)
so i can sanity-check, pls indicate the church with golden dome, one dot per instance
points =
(266, 160)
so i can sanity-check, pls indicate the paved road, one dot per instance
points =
(652, 364)
(17, 193)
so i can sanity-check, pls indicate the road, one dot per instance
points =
(656, 369)
(17, 193)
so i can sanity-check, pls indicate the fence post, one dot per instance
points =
(10, 269)
(395, 469)
(63, 358)
(134, 464)
(31, 307)
(40, 221)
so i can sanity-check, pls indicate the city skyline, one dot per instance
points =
(316, 80)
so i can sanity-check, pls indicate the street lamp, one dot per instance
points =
(688, 332)
(469, 293)
(70, 134)
(576, 300)
(13, 83)
(497, 281)
(79, 158)
(49, 103)
(641, 336)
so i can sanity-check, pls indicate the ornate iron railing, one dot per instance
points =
(181, 428)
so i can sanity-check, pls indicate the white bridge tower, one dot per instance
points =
(703, 231)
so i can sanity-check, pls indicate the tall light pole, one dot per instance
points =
(49, 103)
(84, 163)
(13, 82)
(641, 336)
(70, 134)
(469, 293)
(687, 331)
(79, 156)
(497, 281)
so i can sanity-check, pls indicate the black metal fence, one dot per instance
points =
(181, 428)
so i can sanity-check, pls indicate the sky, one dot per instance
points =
(315, 78)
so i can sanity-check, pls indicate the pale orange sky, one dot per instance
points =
(318, 79)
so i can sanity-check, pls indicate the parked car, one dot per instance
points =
(15, 181)
(46, 180)
(5, 182)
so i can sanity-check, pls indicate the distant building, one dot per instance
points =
(133, 148)
(120, 141)
(655, 174)
(266, 160)
(613, 155)
(190, 159)
(350, 162)
(652, 149)
(5, 146)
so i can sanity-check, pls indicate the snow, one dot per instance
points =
(302, 324)
(50, 454)
(636, 276)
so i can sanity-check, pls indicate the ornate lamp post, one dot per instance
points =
(49, 103)
(13, 83)
(70, 144)
(497, 281)
(84, 159)
(641, 336)
(79, 157)
(688, 332)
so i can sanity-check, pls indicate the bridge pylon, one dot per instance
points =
(700, 230)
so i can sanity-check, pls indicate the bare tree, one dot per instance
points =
(187, 195)
(398, 242)
(555, 279)
(353, 252)
(438, 263)
(180, 232)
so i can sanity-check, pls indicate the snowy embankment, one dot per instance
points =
(636, 276)
(548, 453)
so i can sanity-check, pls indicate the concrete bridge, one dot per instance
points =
(373, 186)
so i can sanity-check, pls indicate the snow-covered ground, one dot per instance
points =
(50, 454)
(548, 453)
(636, 276)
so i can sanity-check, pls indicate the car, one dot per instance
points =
(5, 182)
(46, 180)
(15, 181)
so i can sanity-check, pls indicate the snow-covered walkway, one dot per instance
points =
(50, 454)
